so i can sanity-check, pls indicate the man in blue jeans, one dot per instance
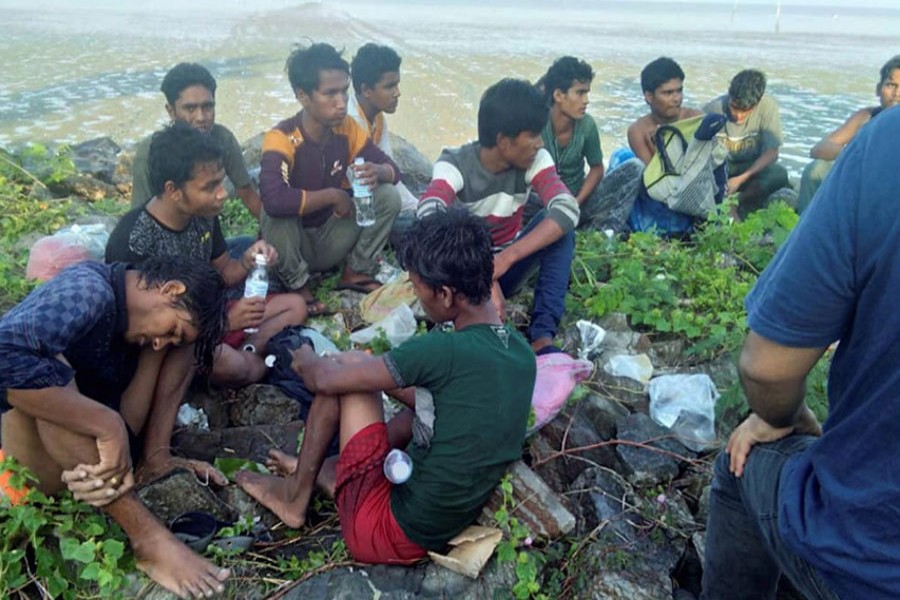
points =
(491, 178)
(821, 507)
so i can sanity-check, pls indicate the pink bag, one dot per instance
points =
(557, 376)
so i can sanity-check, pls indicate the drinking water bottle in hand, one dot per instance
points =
(362, 197)
(257, 283)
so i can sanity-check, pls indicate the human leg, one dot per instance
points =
(813, 175)
(287, 235)
(753, 194)
(745, 554)
(282, 310)
(233, 367)
(610, 203)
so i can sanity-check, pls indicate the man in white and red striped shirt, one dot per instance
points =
(492, 178)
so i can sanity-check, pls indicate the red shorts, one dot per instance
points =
(235, 339)
(363, 496)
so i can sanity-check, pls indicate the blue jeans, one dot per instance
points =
(745, 554)
(553, 264)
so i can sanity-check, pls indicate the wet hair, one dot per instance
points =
(889, 68)
(370, 63)
(175, 151)
(451, 248)
(203, 298)
(306, 62)
(659, 71)
(562, 74)
(747, 88)
(184, 75)
(510, 107)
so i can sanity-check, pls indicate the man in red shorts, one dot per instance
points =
(470, 389)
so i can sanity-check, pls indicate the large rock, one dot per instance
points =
(85, 187)
(179, 492)
(414, 166)
(659, 460)
(251, 443)
(262, 404)
(98, 157)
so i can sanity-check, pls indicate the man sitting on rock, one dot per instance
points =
(190, 92)
(752, 136)
(827, 150)
(490, 178)
(181, 218)
(472, 398)
(84, 383)
(376, 91)
(821, 506)
(308, 213)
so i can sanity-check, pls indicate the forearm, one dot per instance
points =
(250, 199)
(765, 159)
(826, 150)
(68, 408)
(593, 178)
(778, 404)
(174, 377)
(544, 234)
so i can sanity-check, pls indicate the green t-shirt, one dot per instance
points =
(473, 397)
(233, 159)
(761, 130)
(569, 159)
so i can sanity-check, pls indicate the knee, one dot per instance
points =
(387, 200)
(293, 307)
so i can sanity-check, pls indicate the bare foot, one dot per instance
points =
(176, 567)
(162, 464)
(280, 463)
(276, 494)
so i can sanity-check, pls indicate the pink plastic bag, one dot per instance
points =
(557, 376)
(53, 253)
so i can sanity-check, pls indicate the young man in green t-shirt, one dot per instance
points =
(471, 391)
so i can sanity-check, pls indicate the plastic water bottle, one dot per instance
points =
(397, 466)
(257, 283)
(362, 197)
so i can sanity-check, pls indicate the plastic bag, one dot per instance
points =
(398, 326)
(51, 254)
(379, 303)
(637, 367)
(686, 404)
(557, 376)
(591, 337)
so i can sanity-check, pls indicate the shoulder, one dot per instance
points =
(687, 113)
(352, 130)
(224, 136)
(717, 105)
(588, 124)
(284, 137)
(767, 103)
(142, 148)
(643, 125)
(864, 115)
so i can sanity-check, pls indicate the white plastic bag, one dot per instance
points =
(591, 337)
(686, 404)
(637, 367)
(398, 326)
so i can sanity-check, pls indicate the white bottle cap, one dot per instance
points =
(270, 360)
(260, 260)
(359, 160)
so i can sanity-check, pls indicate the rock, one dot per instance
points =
(603, 413)
(415, 168)
(703, 505)
(85, 187)
(242, 505)
(626, 391)
(179, 492)
(645, 466)
(698, 539)
(252, 443)
(252, 150)
(214, 404)
(262, 404)
(97, 158)
(667, 354)
(537, 506)
(786, 194)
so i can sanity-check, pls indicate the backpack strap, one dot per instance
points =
(662, 143)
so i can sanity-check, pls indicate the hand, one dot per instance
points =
(749, 433)
(502, 263)
(303, 359)
(734, 184)
(343, 204)
(259, 247)
(246, 313)
(101, 483)
(498, 300)
(366, 174)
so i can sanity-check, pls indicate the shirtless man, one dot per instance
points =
(662, 82)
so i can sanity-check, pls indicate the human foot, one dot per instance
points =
(162, 464)
(276, 494)
(176, 567)
(314, 307)
(281, 463)
(363, 285)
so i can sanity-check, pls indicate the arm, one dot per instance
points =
(337, 375)
(378, 166)
(591, 180)
(764, 160)
(829, 147)
(446, 182)
(640, 142)
(250, 199)
(544, 234)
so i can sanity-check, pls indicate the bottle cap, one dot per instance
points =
(260, 259)
(359, 160)
(270, 360)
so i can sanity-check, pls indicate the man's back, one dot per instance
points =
(836, 279)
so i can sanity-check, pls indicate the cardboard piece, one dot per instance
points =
(471, 550)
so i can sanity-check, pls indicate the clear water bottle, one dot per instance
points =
(397, 466)
(362, 197)
(257, 283)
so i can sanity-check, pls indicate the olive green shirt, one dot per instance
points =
(570, 159)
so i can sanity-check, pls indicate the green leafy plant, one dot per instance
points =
(516, 547)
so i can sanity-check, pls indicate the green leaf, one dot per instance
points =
(91, 572)
(72, 550)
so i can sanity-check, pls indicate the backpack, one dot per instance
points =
(687, 172)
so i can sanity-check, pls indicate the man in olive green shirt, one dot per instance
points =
(190, 92)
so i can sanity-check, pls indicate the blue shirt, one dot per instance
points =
(80, 314)
(838, 278)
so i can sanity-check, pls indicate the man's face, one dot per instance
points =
(665, 101)
(165, 325)
(203, 195)
(889, 90)
(386, 93)
(573, 103)
(520, 151)
(433, 302)
(739, 115)
(327, 104)
(196, 106)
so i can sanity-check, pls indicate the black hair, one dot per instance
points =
(451, 248)
(747, 88)
(564, 72)
(370, 63)
(889, 68)
(184, 75)
(659, 71)
(510, 107)
(306, 62)
(175, 151)
(203, 298)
